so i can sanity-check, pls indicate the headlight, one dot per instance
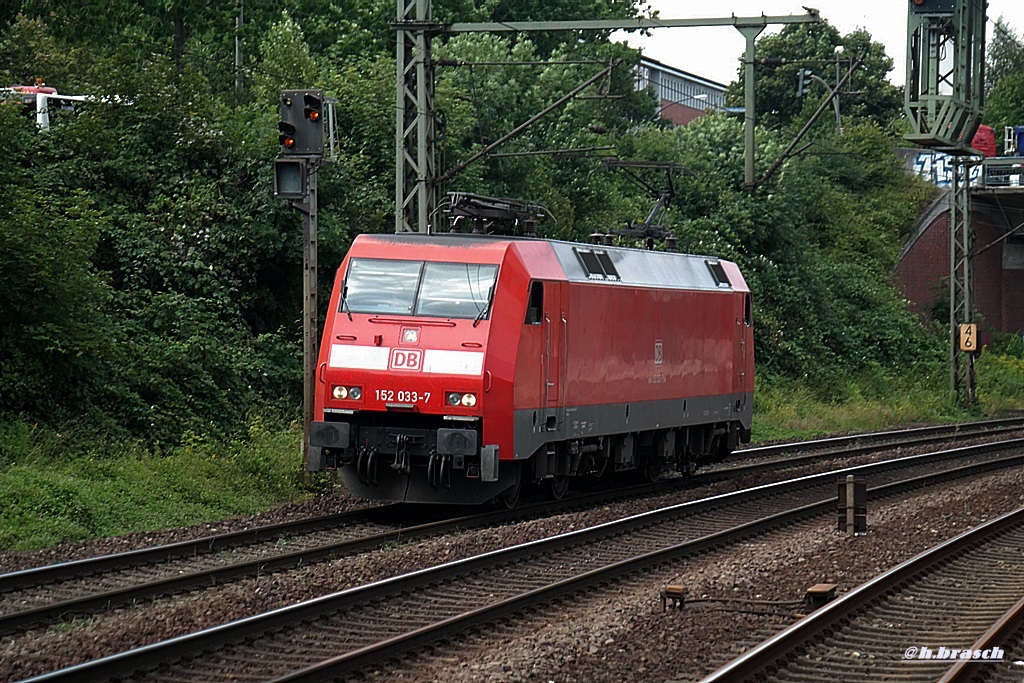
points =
(454, 399)
(352, 393)
(469, 400)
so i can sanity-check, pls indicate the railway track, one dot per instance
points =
(338, 633)
(964, 594)
(866, 443)
(49, 594)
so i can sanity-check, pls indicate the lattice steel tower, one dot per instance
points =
(945, 97)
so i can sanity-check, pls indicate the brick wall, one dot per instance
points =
(679, 114)
(922, 274)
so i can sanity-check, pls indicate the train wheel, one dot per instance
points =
(509, 498)
(652, 470)
(557, 486)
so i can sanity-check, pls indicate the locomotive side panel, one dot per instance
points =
(639, 345)
(643, 359)
(658, 349)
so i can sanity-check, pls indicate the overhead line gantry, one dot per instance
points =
(416, 177)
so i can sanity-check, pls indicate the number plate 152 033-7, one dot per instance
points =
(392, 396)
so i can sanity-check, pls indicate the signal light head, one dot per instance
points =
(313, 106)
(302, 124)
(287, 136)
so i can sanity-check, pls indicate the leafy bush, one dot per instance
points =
(1000, 374)
(59, 487)
(875, 399)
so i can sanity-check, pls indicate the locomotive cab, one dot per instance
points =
(404, 380)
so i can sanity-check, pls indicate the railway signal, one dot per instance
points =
(301, 126)
(287, 136)
(804, 76)
(302, 132)
(313, 109)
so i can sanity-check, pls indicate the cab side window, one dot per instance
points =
(535, 308)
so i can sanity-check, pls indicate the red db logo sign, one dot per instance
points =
(406, 359)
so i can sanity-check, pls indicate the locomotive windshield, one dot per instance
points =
(437, 290)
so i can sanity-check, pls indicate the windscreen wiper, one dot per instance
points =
(344, 302)
(487, 307)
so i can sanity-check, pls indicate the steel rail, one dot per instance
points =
(13, 621)
(189, 579)
(955, 430)
(244, 629)
(844, 447)
(367, 656)
(171, 551)
(1011, 622)
(773, 652)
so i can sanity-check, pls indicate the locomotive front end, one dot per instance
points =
(403, 388)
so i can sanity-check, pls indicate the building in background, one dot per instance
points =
(997, 226)
(683, 96)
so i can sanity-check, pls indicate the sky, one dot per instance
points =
(714, 52)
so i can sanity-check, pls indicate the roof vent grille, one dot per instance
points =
(597, 263)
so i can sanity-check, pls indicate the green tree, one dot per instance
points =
(54, 337)
(28, 50)
(1004, 105)
(814, 46)
(1004, 54)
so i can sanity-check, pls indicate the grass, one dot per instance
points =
(57, 487)
(878, 399)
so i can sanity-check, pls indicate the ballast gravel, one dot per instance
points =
(620, 632)
(614, 633)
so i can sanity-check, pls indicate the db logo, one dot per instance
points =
(406, 359)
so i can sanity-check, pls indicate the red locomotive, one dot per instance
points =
(457, 368)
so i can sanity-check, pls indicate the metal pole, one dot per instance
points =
(851, 522)
(309, 317)
(839, 120)
(961, 304)
(42, 111)
(415, 184)
(750, 33)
